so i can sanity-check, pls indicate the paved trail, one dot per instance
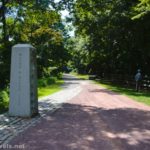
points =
(95, 119)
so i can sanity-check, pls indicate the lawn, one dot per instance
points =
(50, 89)
(46, 87)
(143, 97)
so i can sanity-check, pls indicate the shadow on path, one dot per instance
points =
(104, 91)
(78, 127)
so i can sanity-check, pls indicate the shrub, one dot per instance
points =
(46, 81)
(42, 82)
(51, 80)
(4, 100)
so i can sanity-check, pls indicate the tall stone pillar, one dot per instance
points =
(23, 81)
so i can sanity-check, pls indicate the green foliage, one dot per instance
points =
(50, 89)
(46, 81)
(80, 76)
(5, 51)
(3, 101)
(142, 9)
(51, 80)
(42, 83)
(116, 43)
(78, 50)
(37, 23)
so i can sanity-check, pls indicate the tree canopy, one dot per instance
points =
(117, 43)
(38, 23)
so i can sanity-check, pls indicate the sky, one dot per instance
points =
(65, 14)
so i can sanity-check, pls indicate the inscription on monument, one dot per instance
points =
(19, 76)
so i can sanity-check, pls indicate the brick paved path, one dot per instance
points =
(95, 119)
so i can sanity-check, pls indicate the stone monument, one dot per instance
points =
(23, 81)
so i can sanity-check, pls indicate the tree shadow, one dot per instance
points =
(68, 77)
(118, 90)
(68, 84)
(73, 79)
(104, 91)
(79, 127)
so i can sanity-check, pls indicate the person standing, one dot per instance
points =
(138, 78)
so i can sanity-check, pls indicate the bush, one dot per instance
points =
(4, 100)
(42, 83)
(51, 80)
(56, 72)
(46, 81)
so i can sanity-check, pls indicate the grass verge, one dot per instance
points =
(46, 87)
(50, 89)
(4, 100)
(143, 97)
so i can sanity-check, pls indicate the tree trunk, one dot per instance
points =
(3, 16)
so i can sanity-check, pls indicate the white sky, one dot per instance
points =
(65, 14)
(57, 1)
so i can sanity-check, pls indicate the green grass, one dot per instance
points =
(46, 87)
(50, 89)
(143, 97)
(81, 76)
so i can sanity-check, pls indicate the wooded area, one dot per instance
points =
(112, 37)
(38, 23)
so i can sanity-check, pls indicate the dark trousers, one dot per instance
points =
(138, 85)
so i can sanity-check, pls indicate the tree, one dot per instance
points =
(34, 22)
(116, 42)
(141, 9)
(79, 54)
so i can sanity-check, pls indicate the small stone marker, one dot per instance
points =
(23, 81)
